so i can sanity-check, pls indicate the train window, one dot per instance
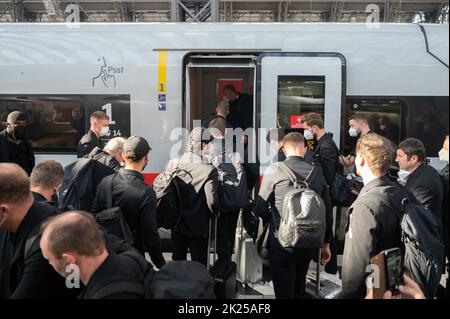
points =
(56, 123)
(298, 95)
(428, 121)
(425, 118)
(386, 117)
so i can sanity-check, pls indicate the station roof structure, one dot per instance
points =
(433, 11)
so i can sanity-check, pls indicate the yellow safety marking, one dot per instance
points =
(162, 72)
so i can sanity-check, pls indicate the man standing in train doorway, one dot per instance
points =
(241, 108)
(15, 147)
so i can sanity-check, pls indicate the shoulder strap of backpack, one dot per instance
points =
(109, 189)
(292, 177)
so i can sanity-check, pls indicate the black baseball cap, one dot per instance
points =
(137, 147)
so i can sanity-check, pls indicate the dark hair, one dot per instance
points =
(313, 119)
(276, 135)
(293, 138)
(359, 117)
(229, 87)
(14, 183)
(47, 174)
(413, 146)
(76, 232)
(99, 115)
(218, 124)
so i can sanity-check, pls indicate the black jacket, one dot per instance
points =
(25, 145)
(29, 275)
(114, 276)
(327, 155)
(426, 185)
(102, 157)
(241, 111)
(199, 188)
(138, 204)
(373, 227)
(445, 172)
(87, 143)
(276, 184)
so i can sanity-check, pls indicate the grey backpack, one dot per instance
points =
(303, 219)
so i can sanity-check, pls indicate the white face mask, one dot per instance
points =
(104, 131)
(308, 135)
(353, 132)
(403, 175)
(443, 155)
(3, 220)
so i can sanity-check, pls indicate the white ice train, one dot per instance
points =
(153, 77)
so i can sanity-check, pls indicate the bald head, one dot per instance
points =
(15, 185)
(76, 232)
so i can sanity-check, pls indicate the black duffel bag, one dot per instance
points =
(344, 191)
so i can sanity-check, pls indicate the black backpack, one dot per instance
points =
(111, 219)
(423, 248)
(77, 186)
(303, 219)
(141, 288)
(168, 205)
(233, 180)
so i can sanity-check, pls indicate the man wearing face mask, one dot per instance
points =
(99, 127)
(326, 152)
(24, 273)
(136, 200)
(359, 126)
(419, 177)
(15, 147)
(373, 219)
(45, 181)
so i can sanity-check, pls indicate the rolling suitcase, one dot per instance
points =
(325, 288)
(224, 275)
(250, 265)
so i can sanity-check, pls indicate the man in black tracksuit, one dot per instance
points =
(289, 269)
(24, 273)
(326, 153)
(373, 225)
(241, 108)
(199, 188)
(74, 238)
(99, 127)
(15, 146)
(136, 200)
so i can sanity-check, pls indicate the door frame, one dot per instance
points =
(258, 75)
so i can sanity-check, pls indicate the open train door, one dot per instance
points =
(289, 85)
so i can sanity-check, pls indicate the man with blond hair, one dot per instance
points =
(373, 217)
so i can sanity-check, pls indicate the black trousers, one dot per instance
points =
(289, 270)
(226, 234)
(197, 246)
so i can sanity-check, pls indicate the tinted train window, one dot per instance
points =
(57, 122)
(298, 95)
(386, 117)
(428, 121)
(425, 118)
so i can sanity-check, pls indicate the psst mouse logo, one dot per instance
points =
(107, 75)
